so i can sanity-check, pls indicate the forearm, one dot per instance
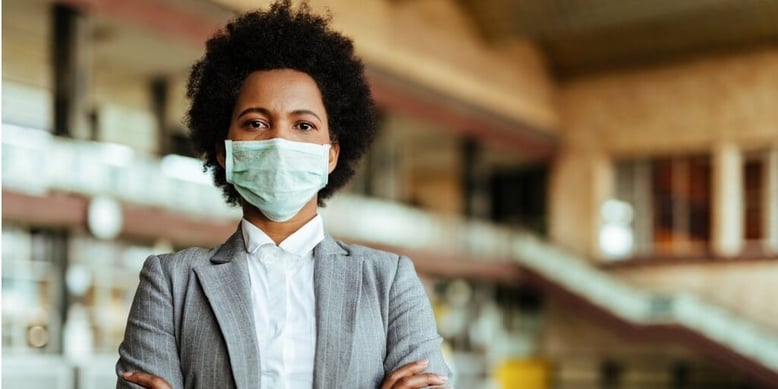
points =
(149, 344)
(412, 333)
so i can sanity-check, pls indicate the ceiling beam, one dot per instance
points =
(159, 16)
(461, 118)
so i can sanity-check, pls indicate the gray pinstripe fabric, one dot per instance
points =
(191, 321)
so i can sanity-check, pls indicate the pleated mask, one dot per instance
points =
(277, 176)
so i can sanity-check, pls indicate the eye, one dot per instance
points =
(255, 124)
(305, 126)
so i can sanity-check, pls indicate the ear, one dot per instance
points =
(220, 155)
(334, 153)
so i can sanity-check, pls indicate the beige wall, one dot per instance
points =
(706, 104)
(746, 288)
(578, 346)
(693, 105)
(677, 107)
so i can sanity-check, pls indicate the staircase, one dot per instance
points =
(733, 340)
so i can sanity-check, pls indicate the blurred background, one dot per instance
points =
(589, 189)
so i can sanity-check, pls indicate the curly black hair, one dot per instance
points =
(281, 37)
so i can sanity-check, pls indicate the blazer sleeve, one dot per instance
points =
(149, 343)
(412, 333)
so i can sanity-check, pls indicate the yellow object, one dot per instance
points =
(533, 373)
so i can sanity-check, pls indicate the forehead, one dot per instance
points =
(280, 86)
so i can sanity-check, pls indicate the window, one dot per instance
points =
(518, 197)
(760, 201)
(670, 204)
(753, 196)
(671, 200)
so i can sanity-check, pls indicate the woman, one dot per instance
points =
(281, 112)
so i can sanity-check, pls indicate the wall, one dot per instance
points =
(747, 288)
(688, 106)
(579, 347)
(691, 106)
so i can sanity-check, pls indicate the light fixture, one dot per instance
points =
(104, 217)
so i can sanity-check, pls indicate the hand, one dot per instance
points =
(146, 380)
(411, 376)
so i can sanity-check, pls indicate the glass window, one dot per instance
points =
(753, 179)
(31, 290)
(759, 175)
(671, 202)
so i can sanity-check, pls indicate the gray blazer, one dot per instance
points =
(191, 321)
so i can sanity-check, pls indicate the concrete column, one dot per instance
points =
(475, 181)
(71, 68)
(159, 105)
(771, 201)
(728, 207)
(387, 164)
(643, 220)
(572, 211)
(603, 179)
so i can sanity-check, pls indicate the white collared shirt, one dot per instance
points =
(284, 303)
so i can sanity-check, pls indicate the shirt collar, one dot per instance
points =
(300, 242)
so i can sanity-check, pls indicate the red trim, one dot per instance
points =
(461, 118)
(53, 210)
(640, 262)
(434, 264)
(62, 210)
(167, 19)
(145, 222)
(148, 223)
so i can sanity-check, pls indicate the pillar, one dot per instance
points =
(71, 67)
(475, 181)
(771, 201)
(159, 106)
(728, 207)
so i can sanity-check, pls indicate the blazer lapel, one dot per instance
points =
(337, 284)
(226, 284)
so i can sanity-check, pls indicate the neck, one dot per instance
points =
(279, 231)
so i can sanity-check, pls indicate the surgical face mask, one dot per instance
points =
(277, 176)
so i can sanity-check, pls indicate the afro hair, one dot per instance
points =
(281, 37)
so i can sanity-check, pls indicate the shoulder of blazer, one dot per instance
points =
(368, 253)
(381, 262)
(189, 257)
(181, 262)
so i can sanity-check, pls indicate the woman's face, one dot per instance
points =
(281, 103)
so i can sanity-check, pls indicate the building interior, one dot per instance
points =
(588, 189)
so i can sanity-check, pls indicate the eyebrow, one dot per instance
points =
(265, 111)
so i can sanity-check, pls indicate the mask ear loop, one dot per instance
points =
(228, 159)
(327, 172)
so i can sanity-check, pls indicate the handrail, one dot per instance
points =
(401, 226)
(36, 162)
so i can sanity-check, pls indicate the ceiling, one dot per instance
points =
(583, 36)
(577, 36)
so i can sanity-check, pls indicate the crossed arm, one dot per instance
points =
(411, 330)
(410, 376)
